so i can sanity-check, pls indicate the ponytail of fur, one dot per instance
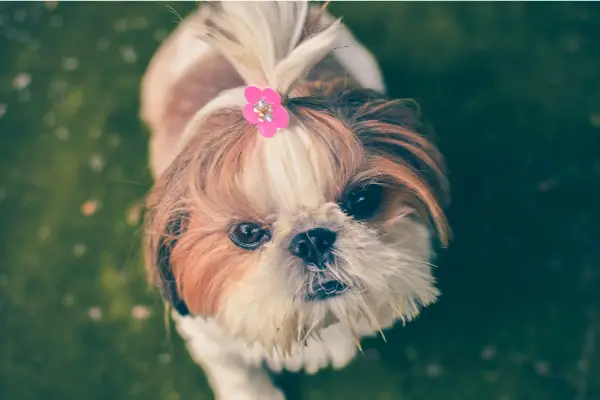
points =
(267, 42)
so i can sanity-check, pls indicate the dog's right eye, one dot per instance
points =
(248, 235)
(362, 202)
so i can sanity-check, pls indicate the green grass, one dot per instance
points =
(513, 90)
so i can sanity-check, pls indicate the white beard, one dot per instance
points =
(234, 366)
(387, 281)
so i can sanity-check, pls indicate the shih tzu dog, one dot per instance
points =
(295, 206)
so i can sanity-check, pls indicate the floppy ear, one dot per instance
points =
(163, 268)
(400, 146)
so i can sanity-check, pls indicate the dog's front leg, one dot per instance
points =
(230, 374)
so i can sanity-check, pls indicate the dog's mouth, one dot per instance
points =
(326, 290)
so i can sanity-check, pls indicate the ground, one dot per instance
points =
(513, 91)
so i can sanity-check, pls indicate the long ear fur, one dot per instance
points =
(166, 279)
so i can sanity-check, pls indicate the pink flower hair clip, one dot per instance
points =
(265, 110)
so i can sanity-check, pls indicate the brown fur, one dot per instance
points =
(385, 129)
(205, 265)
(196, 88)
(206, 202)
(201, 184)
(365, 136)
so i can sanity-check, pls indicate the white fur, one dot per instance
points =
(233, 365)
(286, 173)
(266, 49)
(356, 59)
(337, 40)
(235, 370)
(389, 277)
(180, 52)
(289, 175)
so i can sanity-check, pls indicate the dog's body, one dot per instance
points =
(187, 75)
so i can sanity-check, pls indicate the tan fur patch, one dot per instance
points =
(205, 265)
(195, 88)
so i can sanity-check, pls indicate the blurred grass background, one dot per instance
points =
(513, 90)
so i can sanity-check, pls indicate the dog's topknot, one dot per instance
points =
(269, 43)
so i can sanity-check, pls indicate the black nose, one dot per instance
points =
(313, 246)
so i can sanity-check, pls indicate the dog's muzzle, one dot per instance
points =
(315, 248)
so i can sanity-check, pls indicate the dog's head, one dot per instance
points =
(329, 221)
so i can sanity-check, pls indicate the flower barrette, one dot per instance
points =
(265, 110)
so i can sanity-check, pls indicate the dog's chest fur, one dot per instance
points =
(335, 348)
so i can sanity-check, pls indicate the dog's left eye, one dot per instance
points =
(248, 235)
(363, 201)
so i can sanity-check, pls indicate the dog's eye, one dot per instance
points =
(248, 235)
(363, 201)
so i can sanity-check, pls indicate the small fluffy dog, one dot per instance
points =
(284, 224)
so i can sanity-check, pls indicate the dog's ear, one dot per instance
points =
(395, 133)
(163, 268)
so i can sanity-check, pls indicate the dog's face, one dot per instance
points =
(329, 221)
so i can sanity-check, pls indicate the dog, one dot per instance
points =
(296, 207)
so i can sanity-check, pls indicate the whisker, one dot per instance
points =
(367, 312)
(353, 333)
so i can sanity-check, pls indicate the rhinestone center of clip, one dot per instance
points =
(264, 110)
